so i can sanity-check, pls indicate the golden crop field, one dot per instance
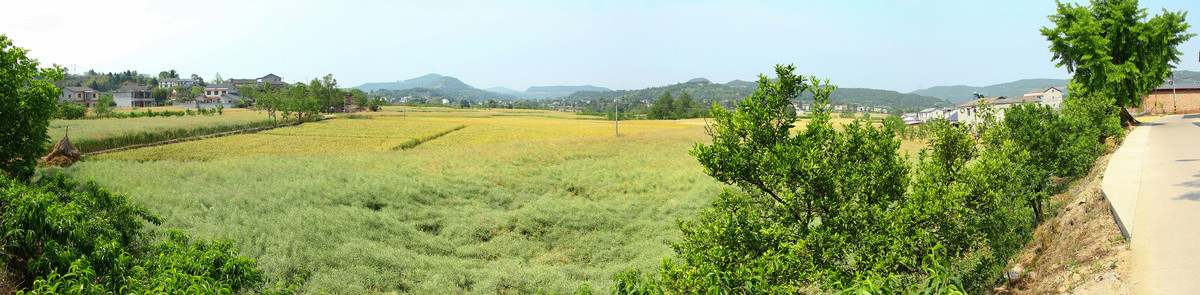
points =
(314, 138)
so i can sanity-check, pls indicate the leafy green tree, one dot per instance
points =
(27, 101)
(685, 107)
(70, 111)
(1114, 50)
(464, 103)
(663, 108)
(161, 95)
(361, 98)
(104, 105)
(810, 204)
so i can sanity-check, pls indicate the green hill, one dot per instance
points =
(476, 95)
(431, 81)
(538, 92)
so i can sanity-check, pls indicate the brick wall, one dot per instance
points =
(1162, 102)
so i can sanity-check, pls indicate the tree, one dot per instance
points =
(27, 100)
(361, 98)
(104, 105)
(161, 95)
(684, 106)
(217, 79)
(663, 107)
(464, 103)
(807, 200)
(199, 80)
(1112, 49)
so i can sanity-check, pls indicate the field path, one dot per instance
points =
(1154, 182)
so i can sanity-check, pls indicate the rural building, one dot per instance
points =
(217, 94)
(175, 82)
(1051, 96)
(134, 96)
(269, 79)
(930, 114)
(969, 112)
(1180, 98)
(83, 96)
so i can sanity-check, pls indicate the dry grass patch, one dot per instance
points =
(1080, 250)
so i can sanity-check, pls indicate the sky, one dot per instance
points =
(896, 45)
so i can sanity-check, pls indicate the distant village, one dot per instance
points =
(224, 93)
(1168, 98)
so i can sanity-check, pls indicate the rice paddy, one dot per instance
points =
(510, 202)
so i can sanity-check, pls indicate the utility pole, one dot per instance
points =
(1174, 101)
(617, 117)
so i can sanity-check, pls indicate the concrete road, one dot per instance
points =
(1165, 229)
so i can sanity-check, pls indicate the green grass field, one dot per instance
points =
(515, 202)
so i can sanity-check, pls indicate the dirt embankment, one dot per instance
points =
(1078, 251)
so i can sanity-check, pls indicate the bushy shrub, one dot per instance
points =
(818, 208)
(70, 111)
(66, 239)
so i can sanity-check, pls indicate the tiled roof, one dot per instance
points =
(1041, 90)
(79, 89)
(132, 88)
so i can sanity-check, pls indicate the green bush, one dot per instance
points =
(70, 111)
(63, 238)
(818, 208)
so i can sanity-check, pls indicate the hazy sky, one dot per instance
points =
(897, 45)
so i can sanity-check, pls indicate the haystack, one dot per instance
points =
(64, 154)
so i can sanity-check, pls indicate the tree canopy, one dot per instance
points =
(1113, 49)
(27, 101)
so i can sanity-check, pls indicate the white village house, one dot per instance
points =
(134, 96)
(216, 94)
(969, 112)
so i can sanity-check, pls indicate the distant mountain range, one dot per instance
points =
(538, 92)
(445, 86)
(963, 93)
(706, 92)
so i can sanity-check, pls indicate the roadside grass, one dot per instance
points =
(102, 134)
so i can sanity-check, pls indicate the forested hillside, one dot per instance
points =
(451, 94)
(706, 94)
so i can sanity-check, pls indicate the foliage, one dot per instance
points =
(1114, 50)
(27, 101)
(817, 208)
(68, 110)
(103, 105)
(668, 108)
(65, 239)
